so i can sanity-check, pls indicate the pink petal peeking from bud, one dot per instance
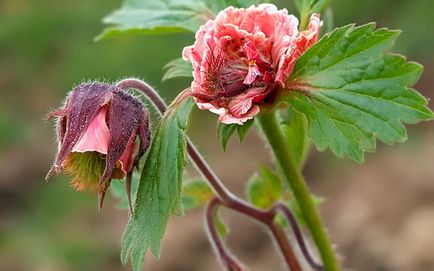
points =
(127, 158)
(96, 137)
(97, 130)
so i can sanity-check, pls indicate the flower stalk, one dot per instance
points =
(293, 176)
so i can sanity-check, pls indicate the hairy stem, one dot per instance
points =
(226, 259)
(273, 133)
(282, 208)
(225, 197)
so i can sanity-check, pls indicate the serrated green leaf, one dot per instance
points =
(225, 132)
(352, 93)
(156, 17)
(244, 129)
(196, 194)
(177, 68)
(158, 195)
(264, 188)
(294, 128)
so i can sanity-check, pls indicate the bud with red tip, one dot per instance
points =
(97, 129)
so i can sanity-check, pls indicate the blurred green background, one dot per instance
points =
(380, 215)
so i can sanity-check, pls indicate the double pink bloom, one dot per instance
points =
(243, 55)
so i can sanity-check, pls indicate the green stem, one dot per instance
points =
(273, 133)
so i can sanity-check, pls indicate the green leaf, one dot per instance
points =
(177, 68)
(196, 194)
(244, 129)
(221, 227)
(265, 188)
(218, 5)
(352, 93)
(310, 6)
(225, 132)
(164, 16)
(156, 17)
(294, 128)
(307, 7)
(158, 195)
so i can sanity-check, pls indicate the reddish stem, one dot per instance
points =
(227, 260)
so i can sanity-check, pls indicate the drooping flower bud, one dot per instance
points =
(243, 55)
(97, 129)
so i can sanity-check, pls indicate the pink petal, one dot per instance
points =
(127, 157)
(242, 104)
(96, 137)
(251, 74)
(230, 119)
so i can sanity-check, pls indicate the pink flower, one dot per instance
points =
(243, 55)
(97, 130)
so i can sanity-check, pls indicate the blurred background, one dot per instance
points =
(380, 215)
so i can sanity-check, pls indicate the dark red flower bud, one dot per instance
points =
(97, 130)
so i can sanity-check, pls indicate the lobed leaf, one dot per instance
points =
(353, 93)
(158, 195)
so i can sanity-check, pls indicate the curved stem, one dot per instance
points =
(280, 207)
(226, 198)
(225, 257)
(298, 185)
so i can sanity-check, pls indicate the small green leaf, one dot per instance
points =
(244, 129)
(195, 194)
(156, 17)
(225, 132)
(294, 127)
(265, 188)
(352, 93)
(221, 227)
(177, 68)
(158, 195)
